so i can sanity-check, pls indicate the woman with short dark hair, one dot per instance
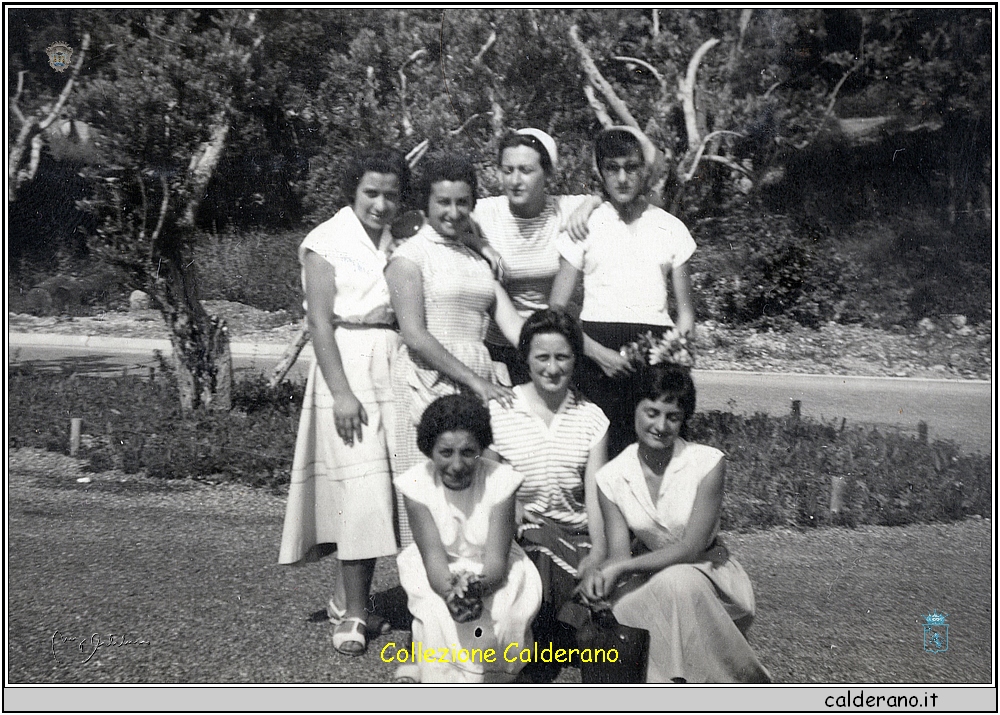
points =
(680, 584)
(557, 439)
(444, 296)
(469, 585)
(340, 490)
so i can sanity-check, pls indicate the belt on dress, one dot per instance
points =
(365, 326)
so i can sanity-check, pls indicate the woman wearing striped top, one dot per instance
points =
(443, 294)
(522, 226)
(556, 438)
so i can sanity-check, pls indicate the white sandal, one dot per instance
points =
(351, 631)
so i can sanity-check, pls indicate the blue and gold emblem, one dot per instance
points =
(59, 54)
(936, 632)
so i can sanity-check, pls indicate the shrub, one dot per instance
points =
(779, 472)
(134, 424)
(256, 268)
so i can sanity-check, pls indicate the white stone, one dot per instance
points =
(138, 300)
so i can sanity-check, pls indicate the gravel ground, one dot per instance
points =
(185, 573)
(946, 348)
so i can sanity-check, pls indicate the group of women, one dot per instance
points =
(491, 415)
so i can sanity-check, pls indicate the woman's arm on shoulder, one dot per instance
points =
(499, 537)
(506, 315)
(575, 224)
(428, 541)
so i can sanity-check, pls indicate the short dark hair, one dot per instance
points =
(450, 413)
(670, 383)
(615, 144)
(551, 320)
(379, 161)
(513, 139)
(447, 167)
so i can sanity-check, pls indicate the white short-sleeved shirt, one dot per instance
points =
(528, 248)
(553, 458)
(625, 265)
(358, 265)
(663, 522)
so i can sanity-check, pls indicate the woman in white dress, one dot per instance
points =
(340, 490)
(681, 584)
(469, 585)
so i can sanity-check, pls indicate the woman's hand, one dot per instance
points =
(464, 609)
(611, 362)
(487, 391)
(523, 516)
(495, 260)
(598, 583)
(576, 223)
(349, 415)
(587, 563)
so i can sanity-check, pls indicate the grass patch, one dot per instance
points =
(780, 469)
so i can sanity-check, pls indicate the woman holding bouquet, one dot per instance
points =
(633, 254)
(468, 584)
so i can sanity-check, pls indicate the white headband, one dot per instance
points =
(548, 142)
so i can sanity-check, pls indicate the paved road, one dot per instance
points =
(957, 410)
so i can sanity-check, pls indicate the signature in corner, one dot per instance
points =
(91, 644)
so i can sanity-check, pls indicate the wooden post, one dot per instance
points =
(796, 409)
(74, 435)
(837, 486)
(922, 431)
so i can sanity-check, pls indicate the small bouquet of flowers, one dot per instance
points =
(464, 597)
(671, 348)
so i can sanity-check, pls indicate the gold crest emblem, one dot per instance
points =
(59, 54)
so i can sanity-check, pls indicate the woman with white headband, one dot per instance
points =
(522, 226)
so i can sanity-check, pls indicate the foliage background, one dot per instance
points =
(824, 221)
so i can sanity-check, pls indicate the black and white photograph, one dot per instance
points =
(573, 353)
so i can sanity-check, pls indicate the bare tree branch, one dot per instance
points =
(466, 123)
(17, 96)
(597, 79)
(646, 66)
(656, 23)
(35, 159)
(700, 154)
(64, 95)
(686, 93)
(598, 106)
(485, 48)
(407, 119)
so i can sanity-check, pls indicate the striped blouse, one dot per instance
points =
(552, 458)
(528, 247)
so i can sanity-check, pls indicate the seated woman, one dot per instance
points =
(557, 439)
(468, 584)
(696, 602)
(443, 295)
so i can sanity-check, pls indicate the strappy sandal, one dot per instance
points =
(376, 624)
(408, 674)
(350, 638)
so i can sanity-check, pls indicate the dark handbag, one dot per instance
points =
(617, 653)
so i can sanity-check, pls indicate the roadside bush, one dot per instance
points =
(134, 424)
(255, 268)
(779, 470)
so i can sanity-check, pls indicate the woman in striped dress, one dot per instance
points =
(522, 226)
(556, 438)
(443, 294)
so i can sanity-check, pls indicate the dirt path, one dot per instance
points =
(185, 573)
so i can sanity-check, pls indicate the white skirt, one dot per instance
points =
(338, 493)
